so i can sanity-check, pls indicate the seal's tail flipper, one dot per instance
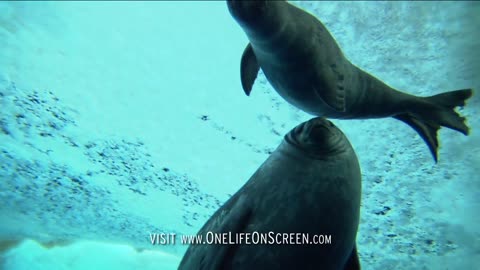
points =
(442, 109)
(426, 130)
(430, 113)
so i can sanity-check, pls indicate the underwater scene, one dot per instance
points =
(239, 135)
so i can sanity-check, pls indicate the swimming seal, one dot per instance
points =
(311, 184)
(304, 64)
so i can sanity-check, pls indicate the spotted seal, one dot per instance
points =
(304, 64)
(310, 185)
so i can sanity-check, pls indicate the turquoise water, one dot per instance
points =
(119, 120)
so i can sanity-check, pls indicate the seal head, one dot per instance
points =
(248, 12)
(256, 17)
(317, 137)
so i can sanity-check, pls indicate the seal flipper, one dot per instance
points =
(248, 69)
(427, 114)
(353, 262)
(235, 222)
(441, 109)
(426, 130)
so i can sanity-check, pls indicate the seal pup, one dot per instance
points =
(304, 64)
(311, 184)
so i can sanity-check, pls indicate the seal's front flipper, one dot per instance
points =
(353, 262)
(248, 69)
(234, 222)
(426, 130)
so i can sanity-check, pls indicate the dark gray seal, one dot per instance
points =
(310, 184)
(304, 64)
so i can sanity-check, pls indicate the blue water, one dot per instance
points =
(123, 119)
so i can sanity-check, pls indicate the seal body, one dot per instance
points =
(304, 64)
(310, 185)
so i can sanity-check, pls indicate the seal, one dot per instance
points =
(304, 64)
(310, 186)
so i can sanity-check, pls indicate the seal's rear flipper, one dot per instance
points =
(353, 262)
(248, 69)
(236, 220)
(426, 130)
(442, 109)
(428, 114)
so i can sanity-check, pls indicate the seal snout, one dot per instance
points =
(317, 136)
(318, 126)
(246, 11)
(317, 130)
